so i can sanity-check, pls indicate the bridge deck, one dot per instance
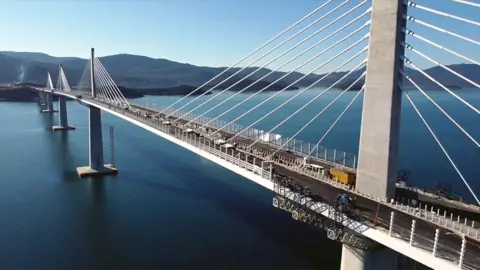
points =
(284, 157)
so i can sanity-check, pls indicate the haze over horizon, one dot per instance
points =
(210, 33)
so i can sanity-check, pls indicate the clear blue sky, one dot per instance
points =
(200, 32)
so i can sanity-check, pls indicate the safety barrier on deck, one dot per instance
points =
(333, 156)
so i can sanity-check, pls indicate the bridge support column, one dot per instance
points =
(379, 134)
(42, 99)
(63, 119)
(355, 259)
(49, 103)
(96, 166)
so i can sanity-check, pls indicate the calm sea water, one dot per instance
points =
(169, 208)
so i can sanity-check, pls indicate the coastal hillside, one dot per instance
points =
(141, 72)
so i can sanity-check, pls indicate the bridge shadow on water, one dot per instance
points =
(66, 158)
(93, 222)
(102, 241)
(61, 142)
(206, 181)
(47, 120)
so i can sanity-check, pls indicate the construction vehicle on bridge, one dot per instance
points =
(219, 142)
(342, 176)
(231, 145)
(345, 203)
(194, 132)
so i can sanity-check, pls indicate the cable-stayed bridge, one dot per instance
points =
(373, 47)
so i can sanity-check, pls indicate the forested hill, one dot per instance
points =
(140, 72)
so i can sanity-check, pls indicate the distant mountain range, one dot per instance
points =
(134, 71)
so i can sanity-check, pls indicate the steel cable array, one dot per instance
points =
(104, 84)
(303, 90)
(335, 122)
(62, 83)
(441, 146)
(417, 54)
(255, 51)
(49, 82)
(467, 3)
(108, 86)
(84, 83)
(290, 72)
(106, 89)
(282, 54)
(367, 12)
(322, 111)
(362, 64)
(261, 57)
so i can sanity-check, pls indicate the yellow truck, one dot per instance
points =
(343, 177)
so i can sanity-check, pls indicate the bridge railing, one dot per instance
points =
(335, 157)
(188, 138)
(431, 244)
(435, 244)
(442, 221)
(459, 203)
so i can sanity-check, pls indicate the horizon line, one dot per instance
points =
(220, 67)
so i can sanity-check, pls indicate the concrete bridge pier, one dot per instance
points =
(380, 258)
(355, 259)
(49, 103)
(42, 99)
(63, 119)
(96, 162)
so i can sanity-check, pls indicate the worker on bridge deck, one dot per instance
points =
(344, 203)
